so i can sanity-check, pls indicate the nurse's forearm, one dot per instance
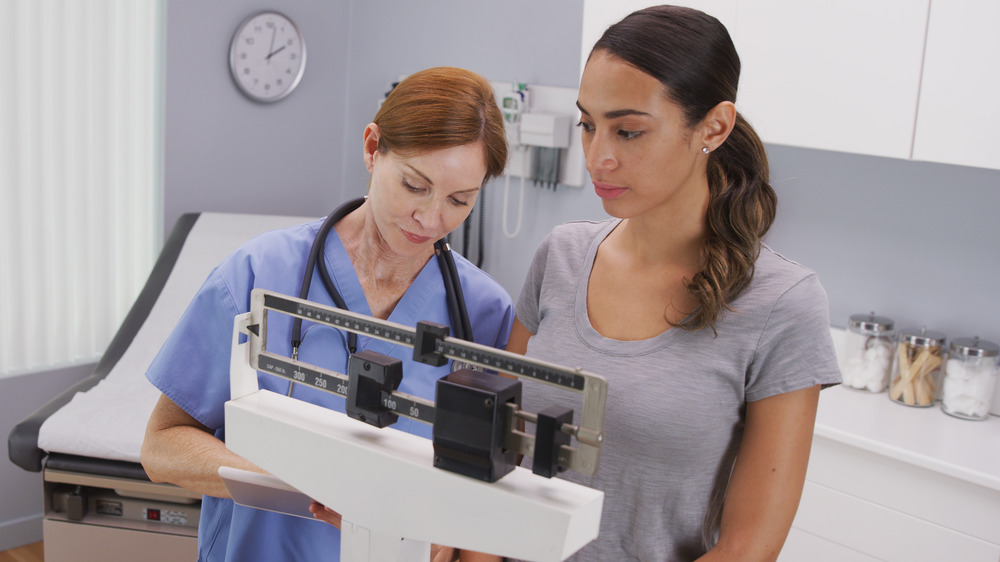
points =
(190, 458)
(180, 450)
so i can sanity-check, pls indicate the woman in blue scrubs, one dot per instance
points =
(436, 140)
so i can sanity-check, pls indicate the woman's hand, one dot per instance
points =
(324, 513)
(442, 553)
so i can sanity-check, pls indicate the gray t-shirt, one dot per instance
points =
(676, 402)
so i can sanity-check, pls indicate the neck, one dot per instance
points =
(670, 234)
(372, 258)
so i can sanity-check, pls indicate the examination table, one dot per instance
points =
(99, 503)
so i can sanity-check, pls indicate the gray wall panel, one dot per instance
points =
(224, 152)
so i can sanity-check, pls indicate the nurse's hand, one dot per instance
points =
(324, 513)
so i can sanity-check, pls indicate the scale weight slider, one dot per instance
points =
(369, 375)
(470, 424)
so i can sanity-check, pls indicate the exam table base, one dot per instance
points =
(100, 538)
(83, 542)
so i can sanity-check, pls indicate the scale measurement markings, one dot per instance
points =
(302, 375)
(408, 407)
(569, 380)
(407, 336)
(398, 403)
(340, 320)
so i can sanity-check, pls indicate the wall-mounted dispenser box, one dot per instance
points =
(549, 101)
(545, 129)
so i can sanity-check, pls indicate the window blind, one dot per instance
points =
(80, 173)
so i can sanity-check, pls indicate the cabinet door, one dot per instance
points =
(959, 114)
(838, 76)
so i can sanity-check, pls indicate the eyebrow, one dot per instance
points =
(431, 183)
(614, 114)
(419, 173)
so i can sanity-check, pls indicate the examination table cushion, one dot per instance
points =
(108, 421)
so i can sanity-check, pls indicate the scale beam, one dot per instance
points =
(583, 457)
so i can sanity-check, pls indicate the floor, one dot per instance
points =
(26, 553)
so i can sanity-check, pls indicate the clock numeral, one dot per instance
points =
(243, 56)
(249, 40)
(246, 71)
(278, 82)
(291, 56)
(270, 25)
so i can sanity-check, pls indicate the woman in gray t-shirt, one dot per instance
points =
(715, 346)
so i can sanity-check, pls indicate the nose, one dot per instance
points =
(598, 153)
(429, 214)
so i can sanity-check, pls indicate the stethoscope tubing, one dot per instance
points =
(454, 295)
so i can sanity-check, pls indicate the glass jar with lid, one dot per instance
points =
(916, 367)
(866, 359)
(970, 376)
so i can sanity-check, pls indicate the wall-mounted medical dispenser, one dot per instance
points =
(545, 129)
(550, 112)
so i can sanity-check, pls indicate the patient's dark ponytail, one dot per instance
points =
(693, 56)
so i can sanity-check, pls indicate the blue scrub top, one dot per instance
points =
(192, 367)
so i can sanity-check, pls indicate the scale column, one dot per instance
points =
(358, 544)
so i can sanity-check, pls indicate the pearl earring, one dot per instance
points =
(705, 150)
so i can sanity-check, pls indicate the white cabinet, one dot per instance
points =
(959, 115)
(888, 482)
(892, 483)
(860, 501)
(893, 78)
(838, 76)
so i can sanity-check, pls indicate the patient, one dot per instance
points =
(436, 140)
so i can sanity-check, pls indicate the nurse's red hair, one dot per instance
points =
(439, 108)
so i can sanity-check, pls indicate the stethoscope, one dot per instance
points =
(449, 273)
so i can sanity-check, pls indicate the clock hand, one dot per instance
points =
(268, 59)
(274, 31)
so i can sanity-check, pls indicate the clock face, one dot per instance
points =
(267, 56)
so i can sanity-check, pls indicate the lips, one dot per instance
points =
(608, 191)
(415, 238)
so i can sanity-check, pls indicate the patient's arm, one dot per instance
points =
(178, 449)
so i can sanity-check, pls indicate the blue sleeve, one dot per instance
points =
(192, 367)
(491, 312)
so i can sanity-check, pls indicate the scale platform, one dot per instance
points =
(393, 500)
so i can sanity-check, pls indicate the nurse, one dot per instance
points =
(714, 345)
(436, 140)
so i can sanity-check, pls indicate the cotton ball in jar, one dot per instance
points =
(866, 361)
(970, 378)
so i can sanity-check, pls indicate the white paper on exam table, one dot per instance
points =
(109, 420)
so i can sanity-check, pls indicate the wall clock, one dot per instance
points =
(267, 56)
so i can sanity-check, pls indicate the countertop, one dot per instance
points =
(925, 437)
